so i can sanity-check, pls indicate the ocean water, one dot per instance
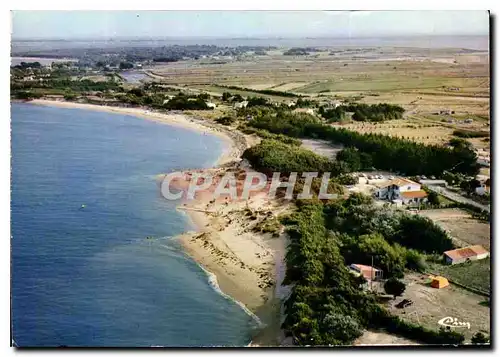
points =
(89, 277)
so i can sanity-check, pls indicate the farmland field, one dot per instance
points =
(431, 305)
(475, 274)
(461, 227)
(424, 82)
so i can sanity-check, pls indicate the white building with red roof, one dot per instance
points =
(401, 190)
(462, 255)
(367, 271)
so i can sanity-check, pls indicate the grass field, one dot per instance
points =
(430, 305)
(474, 274)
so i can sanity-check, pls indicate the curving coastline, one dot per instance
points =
(236, 143)
(240, 264)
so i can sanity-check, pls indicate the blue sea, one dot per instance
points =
(88, 276)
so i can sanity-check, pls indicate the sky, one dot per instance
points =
(106, 24)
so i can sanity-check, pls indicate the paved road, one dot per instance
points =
(456, 197)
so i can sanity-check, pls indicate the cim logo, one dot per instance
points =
(453, 322)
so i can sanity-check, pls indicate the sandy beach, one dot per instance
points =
(247, 263)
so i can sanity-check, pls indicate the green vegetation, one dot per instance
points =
(269, 225)
(363, 112)
(462, 133)
(26, 95)
(267, 135)
(387, 153)
(276, 93)
(354, 159)
(126, 65)
(226, 120)
(26, 65)
(275, 156)
(474, 274)
(305, 103)
(469, 186)
(185, 102)
(257, 101)
(226, 96)
(433, 198)
(479, 338)
(375, 112)
(70, 96)
(65, 84)
(332, 115)
(296, 51)
(394, 287)
(347, 179)
(327, 305)
(284, 122)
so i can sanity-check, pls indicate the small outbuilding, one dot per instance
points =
(462, 255)
(439, 282)
(367, 271)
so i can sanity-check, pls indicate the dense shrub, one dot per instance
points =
(394, 287)
(267, 135)
(257, 101)
(274, 156)
(385, 152)
(26, 95)
(462, 133)
(327, 305)
(422, 234)
(226, 120)
(183, 102)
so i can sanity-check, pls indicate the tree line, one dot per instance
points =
(327, 305)
(386, 153)
(83, 85)
(362, 112)
(275, 93)
(276, 156)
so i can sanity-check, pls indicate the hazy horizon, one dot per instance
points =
(144, 38)
(102, 25)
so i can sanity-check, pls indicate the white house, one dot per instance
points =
(401, 190)
(462, 255)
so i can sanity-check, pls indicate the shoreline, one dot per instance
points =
(242, 265)
(235, 143)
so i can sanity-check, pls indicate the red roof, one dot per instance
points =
(467, 252)
(365, 270)
(414, 194)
